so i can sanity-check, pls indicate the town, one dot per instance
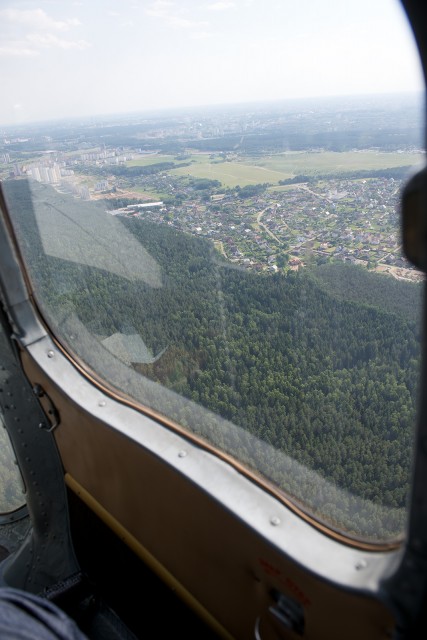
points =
(224, 176)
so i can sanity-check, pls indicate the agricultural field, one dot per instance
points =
(152, 158)
(233, 173)
(246, 170)
(311, 163)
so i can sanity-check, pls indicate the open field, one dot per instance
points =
(330, 162)
(231, 174)
(249, 170)
(147, 195)
(153, 158)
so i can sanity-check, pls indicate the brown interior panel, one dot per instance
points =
(219, 565)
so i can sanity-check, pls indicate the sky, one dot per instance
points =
(60, 59)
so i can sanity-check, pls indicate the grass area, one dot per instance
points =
(311, 163)
(248, 170)
(231, 174)
(274, 168)
(153, 158)
(149, 195)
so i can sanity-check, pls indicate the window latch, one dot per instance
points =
(287, 612)
(286, 615)
(51, 410)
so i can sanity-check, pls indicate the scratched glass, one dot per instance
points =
(238, 269)
(11, 483)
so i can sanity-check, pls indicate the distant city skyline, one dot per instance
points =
(65, 59)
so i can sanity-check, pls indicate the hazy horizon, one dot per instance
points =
(63, 60)
(375, 99)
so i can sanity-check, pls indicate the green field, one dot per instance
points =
(331, 162)
(246, 170)
(149, 195)
(279, 167)
(153, 158)
(231, 174)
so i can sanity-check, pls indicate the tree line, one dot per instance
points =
(294, 367)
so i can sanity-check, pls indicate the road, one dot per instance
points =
(270, 233)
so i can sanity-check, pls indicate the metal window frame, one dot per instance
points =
(397, 578)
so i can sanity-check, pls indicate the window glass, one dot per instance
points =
(236, 268)
(11, 487)
(11, 483)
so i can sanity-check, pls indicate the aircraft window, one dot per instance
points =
(11, 487)
(11, 483)
(236, 270)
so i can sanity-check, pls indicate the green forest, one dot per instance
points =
(316, 369)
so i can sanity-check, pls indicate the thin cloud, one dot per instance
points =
(201, 35)
(17, 50)
(48, 40)
(164, 10)
(36, 19)
(159, 9)
(43, 32)
(183, 23)
(220, 6)
(35, 43)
